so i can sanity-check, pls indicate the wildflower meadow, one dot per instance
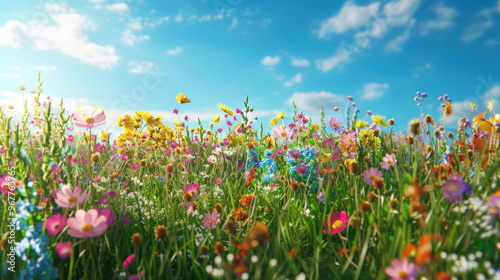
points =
(351, 198)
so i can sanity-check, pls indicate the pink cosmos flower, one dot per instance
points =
(388, 161)
(124, 157)
(218, 181)
(281, 132)
(89, 118)
(87, 224)
(402, 270)
(6, 184)
(194, 189)
(55, 224)
(211, 220)
(336, 222)
(212, 159)
(68, 198)
(55, 169)
(64, 249)
(128, 261)
(369, 175)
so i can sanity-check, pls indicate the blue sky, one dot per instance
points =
(138, 55)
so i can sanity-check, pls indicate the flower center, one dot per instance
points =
(453, 188)
(211, 221)
(5, 187)
(72, 199)
(337, 224)
(403, 274)
(372, 177)
(88, 228)
(90, 120)
(389, 162)
(283, 134)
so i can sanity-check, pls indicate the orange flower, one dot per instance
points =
(422, 251)
(250, 176)
(447, 109)
(246, 200)
(240, 214)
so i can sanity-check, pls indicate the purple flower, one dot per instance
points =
(103, 200)
(134, 166)
(454, 189)
(320, 197)
(301, 169)
(371, 174)
(295, 154)
(335, 124)
(494, 204)
(98, 147)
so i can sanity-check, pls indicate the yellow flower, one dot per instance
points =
(269, 143)
(379, 120)
(230, 112)
(314, 127)
(365, 135)
(477, 119)
(223, 107)
(473, 106)
(177, 123)
(181, 99)
(274, 121)
(360, 124)
(104, 136)
(280, 116)
(21, 87)
(11, 107)
(490, 105)
(216, 119)
(148, 118)
(126, 121)
(448, 109)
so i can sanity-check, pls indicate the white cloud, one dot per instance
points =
(373, 91)
(491, 42)
(178, 18)
(445, 17)
(233, 24)
(140, 67)
(313, 101)
(300, 62)
(483, 21)
(129, 38)
(377, 23)
(297, 79)
(349, 17)
(493, 92)
(66, 33)
(13, 76)
(45, 69)
(270, 61)
(176, 50)
(97, 7)
(328, 64)
(395, 45)
(97, 1)
(119, 8)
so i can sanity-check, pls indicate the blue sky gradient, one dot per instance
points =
(138, 55)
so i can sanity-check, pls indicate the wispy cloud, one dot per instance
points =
(174, 51)
(297, 79)
(313, 101)
(445, 18)
(119, 8)
(335, 61)
(373, 91)
(270, 61)
(482, 21)
(300, 62)
(140, 67)
(349, 17)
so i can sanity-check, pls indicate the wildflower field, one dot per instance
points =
(352, 198)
